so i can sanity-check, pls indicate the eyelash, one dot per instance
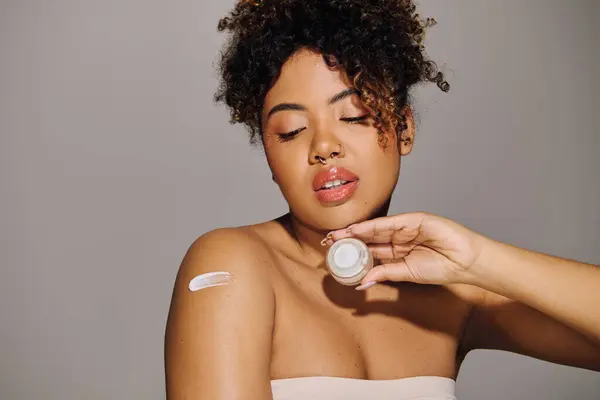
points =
(285, 137)
(356, 120)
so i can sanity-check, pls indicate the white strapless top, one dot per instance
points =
(330, 388)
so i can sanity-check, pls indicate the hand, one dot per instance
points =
(416, 247)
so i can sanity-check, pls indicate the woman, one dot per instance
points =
(323, 86)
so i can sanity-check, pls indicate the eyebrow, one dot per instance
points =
(299, 107)
(342, 95)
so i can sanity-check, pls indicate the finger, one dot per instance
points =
(397, 272)
(400, 228)
(339, 234)
(380, 237)
(390, 251)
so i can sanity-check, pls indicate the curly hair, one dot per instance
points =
(378, 44)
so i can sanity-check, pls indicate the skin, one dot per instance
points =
(294, 163)
(283, 316)
(428, 249)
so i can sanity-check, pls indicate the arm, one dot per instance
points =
(533, 304)
(218, 340)
(536, 305)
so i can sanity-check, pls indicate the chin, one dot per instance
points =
(342, 216)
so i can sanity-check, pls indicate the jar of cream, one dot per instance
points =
(348, 261)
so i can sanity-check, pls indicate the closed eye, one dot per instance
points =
(357, 120)
(284, 137)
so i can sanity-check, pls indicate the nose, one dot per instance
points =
(324, 148)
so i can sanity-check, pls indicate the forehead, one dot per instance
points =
(306, 79)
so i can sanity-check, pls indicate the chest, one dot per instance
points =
(388, 332)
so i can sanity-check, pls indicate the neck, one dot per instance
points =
(309, 238)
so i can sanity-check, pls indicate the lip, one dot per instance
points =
(338, 195)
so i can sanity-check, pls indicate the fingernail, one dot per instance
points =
(366, 285)
(349, 229)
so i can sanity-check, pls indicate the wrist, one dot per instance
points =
(481, 270)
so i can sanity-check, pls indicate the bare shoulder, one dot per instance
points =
(237, 251)
(215, 332)
(243, 257)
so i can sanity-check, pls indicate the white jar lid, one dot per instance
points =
(347, 258)
(346, 255)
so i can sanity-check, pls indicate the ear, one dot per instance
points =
(406, 132)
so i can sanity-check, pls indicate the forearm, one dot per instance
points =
(565, 290)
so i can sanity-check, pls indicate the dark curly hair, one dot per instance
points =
(378, 44)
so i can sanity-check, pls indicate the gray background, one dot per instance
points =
(113, 159)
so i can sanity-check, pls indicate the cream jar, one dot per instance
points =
(348, 261)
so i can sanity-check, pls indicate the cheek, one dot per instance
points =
(380, 153)
(389, 154)
(390, 158)
(381, 164)
(287, 165)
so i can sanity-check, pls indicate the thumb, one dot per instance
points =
(396, 272)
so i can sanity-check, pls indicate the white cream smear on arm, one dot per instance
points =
(210, 279)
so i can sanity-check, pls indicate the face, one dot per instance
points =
(322, 149)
